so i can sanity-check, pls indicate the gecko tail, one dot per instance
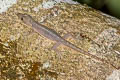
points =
(72, 46)
(68, 44)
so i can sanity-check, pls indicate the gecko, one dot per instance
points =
(53, 35)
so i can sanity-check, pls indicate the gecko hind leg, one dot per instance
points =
(58, 43)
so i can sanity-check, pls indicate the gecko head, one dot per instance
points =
(27, 19)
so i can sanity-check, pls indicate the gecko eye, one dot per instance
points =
(22, 18)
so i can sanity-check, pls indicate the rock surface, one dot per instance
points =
(26, 55)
